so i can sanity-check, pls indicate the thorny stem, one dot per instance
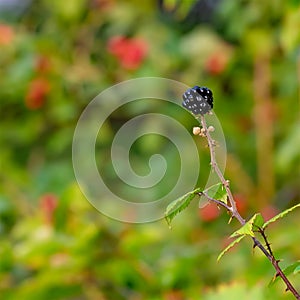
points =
(232, 209)
(211, 145)
(263, 234)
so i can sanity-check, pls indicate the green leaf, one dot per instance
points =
(253, 224)
(293, 268)
(217, 191)
(178, 205)
(297, 269)
(237, 240)
(279, 216)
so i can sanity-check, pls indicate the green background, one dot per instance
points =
(55, 56)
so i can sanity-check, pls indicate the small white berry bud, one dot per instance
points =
(196, 130)
(211, 129)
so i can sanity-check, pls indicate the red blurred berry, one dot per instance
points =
(48, 204)
(136, 52)
(6, 34)
(116, 45)
(209, 213)
(36, 94)
(216, 63)
(129, 51)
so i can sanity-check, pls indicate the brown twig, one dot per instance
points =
(232, 209)
(218, 202)
(214, 164)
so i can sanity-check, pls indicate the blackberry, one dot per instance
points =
(198, 100)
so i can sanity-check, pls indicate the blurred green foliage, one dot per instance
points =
(55, 56)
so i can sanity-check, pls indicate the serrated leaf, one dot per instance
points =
(178, 205)
(281, 215)
(293, 268)
(237, 240)
(217, 191)
(253, 224)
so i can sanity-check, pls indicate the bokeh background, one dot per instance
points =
(55, 56)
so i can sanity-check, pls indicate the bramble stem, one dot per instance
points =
(232, 209)
(221, 203)
(214, 164)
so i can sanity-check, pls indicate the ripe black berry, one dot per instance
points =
(198, 100)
